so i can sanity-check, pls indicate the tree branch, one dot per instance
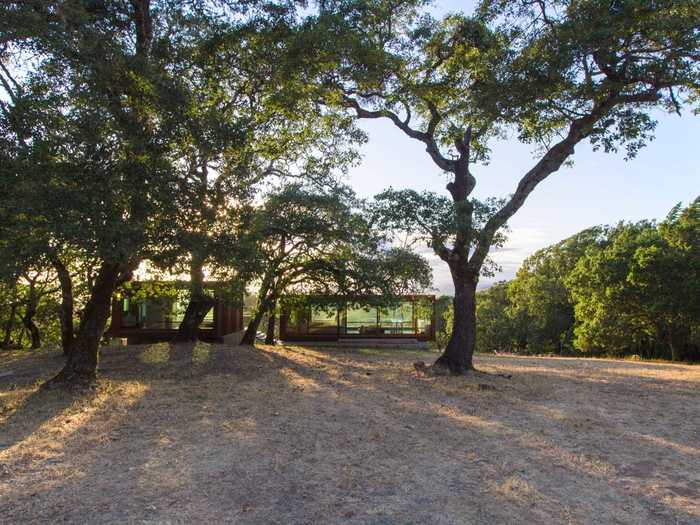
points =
(14, 94)
(426, 138)
(440, 249)
(144, 25)
(548, 164)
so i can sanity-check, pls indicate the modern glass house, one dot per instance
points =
(412, 317)
(142, 318)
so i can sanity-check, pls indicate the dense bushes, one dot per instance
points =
(630, 289)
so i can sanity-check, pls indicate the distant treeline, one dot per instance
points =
(624, 290)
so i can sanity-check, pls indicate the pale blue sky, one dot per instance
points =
(599, 189)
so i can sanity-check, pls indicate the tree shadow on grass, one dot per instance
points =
(210, 439)
(182, 361)
(24, 406)
(26, 413)
(183, 387)
(626, 448)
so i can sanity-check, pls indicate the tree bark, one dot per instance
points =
(270, 335)
(9, 325)
(33, 329)
(81, 366)
(458, 355)
(266, 298)
(198, 305)
(252, 331)
(676, 353)
(196, 311)
(675, 338)
(66, 311)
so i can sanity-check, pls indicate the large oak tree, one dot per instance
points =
(96, 115)
(551, 73)
(244, 120)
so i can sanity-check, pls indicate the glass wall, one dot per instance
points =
(359, 320)
(324, 320)
(397, 320)
(297, 322)
(410, 317)
(250, 302)
(159, 313)
(423, 308)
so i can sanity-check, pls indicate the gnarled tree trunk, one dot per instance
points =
(28, 317)
(676, 337)
(270, 334)
(459, 352)
(195, 313)
(265, 300)
(198, 306)
(10, 323)
(81, 366)
(66, 312)
(252, 330)
(9, 326)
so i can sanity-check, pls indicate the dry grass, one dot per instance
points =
(210, 434)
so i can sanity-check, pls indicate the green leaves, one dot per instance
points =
(641, 286)
(316, 241)
(622, 290)
(436, 220)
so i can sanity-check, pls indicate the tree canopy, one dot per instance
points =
(209, 137)
(552, 73)
(628, 289)
(314, 241)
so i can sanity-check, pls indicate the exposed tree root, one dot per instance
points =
(491, 374)
(71, 382)
(435, 370)
(438, 369)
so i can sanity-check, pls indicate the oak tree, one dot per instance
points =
(551, 73)
(317, 241)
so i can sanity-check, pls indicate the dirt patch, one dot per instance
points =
(214, 433)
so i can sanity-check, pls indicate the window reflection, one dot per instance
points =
(360, 320)
(409, 318)
(324, 320)
(159, 313)
(397, 320)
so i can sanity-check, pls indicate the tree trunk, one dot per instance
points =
(81, 366)
(28, 317)
(458, 354)
(673, 340)
(270, 335)
(252, 331)
(33, 329)
(265, 300)
(66, 311)
(195, 313)
(198, 306)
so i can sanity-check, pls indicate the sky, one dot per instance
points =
(600, 188)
